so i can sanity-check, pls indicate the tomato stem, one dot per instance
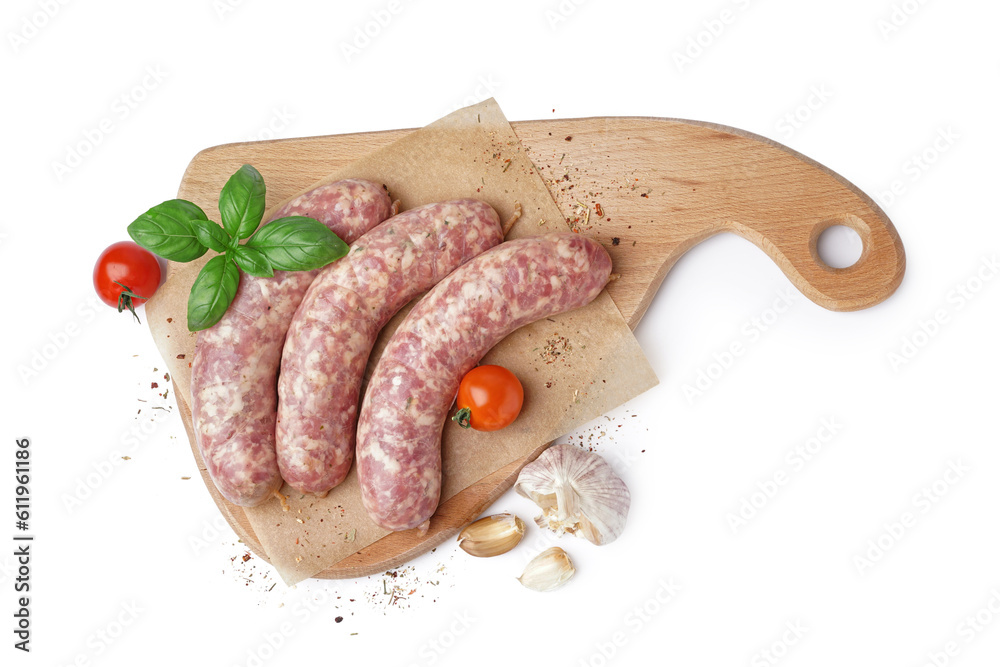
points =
(125, 300)
(463, 417)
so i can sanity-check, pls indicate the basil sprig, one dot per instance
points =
(179, 231)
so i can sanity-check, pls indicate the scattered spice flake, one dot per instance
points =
(569, 138)
(599, 210)
(154, 385)
(351, 535)
(126, 458)
(185, 478)
(247, 556)
(339, 619)
(555, 348)
(181, 356)
(507, 164)
(615, 241)
(169, 320)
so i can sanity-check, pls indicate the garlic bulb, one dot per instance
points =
(492, 535)
(548, 571)
(578, 492)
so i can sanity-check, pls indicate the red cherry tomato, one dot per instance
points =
(126, 275)
(489, 398)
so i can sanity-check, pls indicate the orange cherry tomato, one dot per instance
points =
(489, 398)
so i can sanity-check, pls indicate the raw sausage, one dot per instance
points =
(414, 383)
(334, 329)
(235, 368)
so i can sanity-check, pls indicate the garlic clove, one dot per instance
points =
(492, 535)
(548, 571)
(578, 492)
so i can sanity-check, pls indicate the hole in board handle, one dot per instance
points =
(839, 246)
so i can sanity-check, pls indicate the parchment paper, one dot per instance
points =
(574, 367)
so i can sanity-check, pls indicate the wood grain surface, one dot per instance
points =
(663, 185)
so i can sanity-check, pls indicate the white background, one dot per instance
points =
(143, 546)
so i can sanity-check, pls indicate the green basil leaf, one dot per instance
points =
(241, 202)
(212, 292)
(211, 235)
(297, 243)
(252, 262)
(165, 230)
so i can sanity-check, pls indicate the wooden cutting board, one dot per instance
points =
(663, 186)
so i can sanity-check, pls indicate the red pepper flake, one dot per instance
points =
(153, 385)
(246, 556)
(339, 619)
(600, 211)
(181, 356)
(570, 138)
(169, 320)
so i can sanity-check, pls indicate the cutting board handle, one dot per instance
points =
(782, 201)
(870, 280)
